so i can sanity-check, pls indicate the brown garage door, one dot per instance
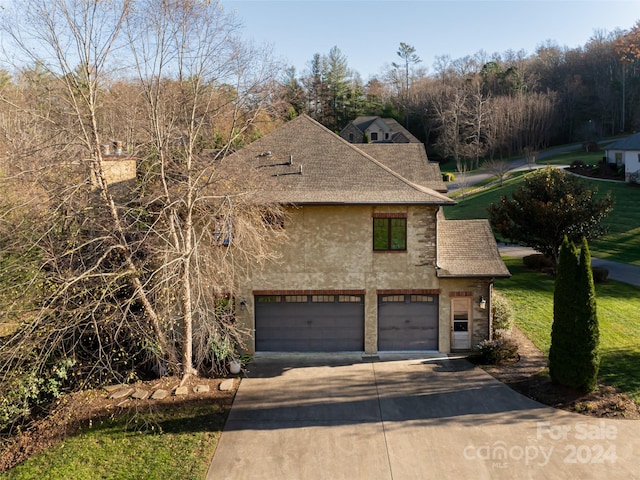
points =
(407, 322)
(309, 323)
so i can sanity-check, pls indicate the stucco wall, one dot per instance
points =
(119, 170)
(632, 163)
(473, 288)
(381, 128)
(330, 248)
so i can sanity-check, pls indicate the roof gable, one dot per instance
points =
(305, 163)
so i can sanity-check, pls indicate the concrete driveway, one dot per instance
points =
(345, 418)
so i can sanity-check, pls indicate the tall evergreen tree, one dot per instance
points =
(573, 356)
(563, 329)
(587, 329)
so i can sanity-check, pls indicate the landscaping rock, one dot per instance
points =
(181, 391)
(122, 393)
(140, 394)
(226, 385)
(201, 388)
(159, 394)
(113, 388)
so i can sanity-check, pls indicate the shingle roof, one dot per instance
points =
(364, 122)
(467, 248)
(409, 160)
(306, 163)
(632, 142)
(398, 131)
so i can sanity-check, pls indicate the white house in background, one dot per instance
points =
(626, 151)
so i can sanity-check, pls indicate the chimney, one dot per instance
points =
(117, 145)
(105, 149)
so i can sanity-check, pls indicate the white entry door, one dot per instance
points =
(461, 323)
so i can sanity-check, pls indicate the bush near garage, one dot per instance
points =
(498, 350)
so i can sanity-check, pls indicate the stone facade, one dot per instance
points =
(329, 248)
(117, 170)
(352, 134)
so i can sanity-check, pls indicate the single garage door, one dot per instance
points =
(309, 323)
(407, 322)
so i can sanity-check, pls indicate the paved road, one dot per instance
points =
(420, 418)
(515, 165)
(622, 272)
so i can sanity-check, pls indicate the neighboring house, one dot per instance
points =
(370, 263)
(119, 169)
(626, 151)
(377, 130)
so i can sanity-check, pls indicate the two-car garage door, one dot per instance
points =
(335, 322)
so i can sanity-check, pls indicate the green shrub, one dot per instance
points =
(491, 352)
(577, 164)
(600, 274)
(538, 261)
(25, 391)
(502, 313)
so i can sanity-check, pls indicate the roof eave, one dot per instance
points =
(471, 275)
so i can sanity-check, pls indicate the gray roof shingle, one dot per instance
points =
(409, 160)
(467, 248)
(632, 142)
(305, 163)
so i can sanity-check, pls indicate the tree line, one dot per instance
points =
(485, 105)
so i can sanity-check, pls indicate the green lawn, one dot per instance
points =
(175, 444)
(618, 304)
(621, 244)
(565, 158)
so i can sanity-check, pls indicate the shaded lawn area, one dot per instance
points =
(618, 306)
(175, 443)
(565, 158)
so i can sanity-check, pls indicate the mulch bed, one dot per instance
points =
(528, 375)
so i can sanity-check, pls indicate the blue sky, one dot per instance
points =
(369, 32)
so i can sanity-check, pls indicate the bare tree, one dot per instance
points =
(204, 209)
(120, 278)
(498, 166)
(530, 155)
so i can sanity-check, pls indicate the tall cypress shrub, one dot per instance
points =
(561, 367)
(587, 329)
(573, 357)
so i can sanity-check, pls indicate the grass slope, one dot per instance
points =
(621, 244)
(172, 444)
(618, 304)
